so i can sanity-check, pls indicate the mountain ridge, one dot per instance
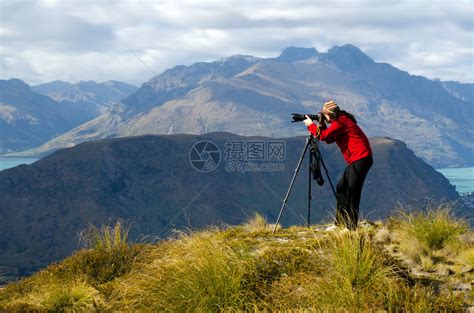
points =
(28, 118)
(32, 115)
(97, 97)
(203, 97)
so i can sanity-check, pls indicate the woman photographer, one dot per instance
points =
(356, 150)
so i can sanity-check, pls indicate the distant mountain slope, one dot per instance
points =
(464, 92)
(94, 96)
(255, 96)
(28, 119)
(150, 181)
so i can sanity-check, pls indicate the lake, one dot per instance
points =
(12, 162)
(462, 178)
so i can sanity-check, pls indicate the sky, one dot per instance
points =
(132, 41)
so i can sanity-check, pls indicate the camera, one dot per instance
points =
(315, 117)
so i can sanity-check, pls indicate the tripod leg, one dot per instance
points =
(291, 184)
(309, 188)
(327, 174)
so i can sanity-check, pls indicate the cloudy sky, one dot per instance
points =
(132, 41)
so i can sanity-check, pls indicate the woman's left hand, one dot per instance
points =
(307, 121)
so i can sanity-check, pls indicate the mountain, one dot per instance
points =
(96, 97)
(464, 92)
(247, 95)
(28, 119)
(150, 182)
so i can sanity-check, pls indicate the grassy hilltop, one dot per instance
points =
(416, 262)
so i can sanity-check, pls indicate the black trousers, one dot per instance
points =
(349, 189)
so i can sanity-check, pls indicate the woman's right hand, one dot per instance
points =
(307, 121)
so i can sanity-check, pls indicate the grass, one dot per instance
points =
(80, 282)
(77, 298)
(428, 238)
(199, 271)
(109, 254)
(256, 224)
(55, 297)
(467, 258)
(247, 268)
(352, 275)
(106, 237)
(433, 227)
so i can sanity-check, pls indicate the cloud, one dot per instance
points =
(81, 40)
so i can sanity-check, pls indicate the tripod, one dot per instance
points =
(315, 159)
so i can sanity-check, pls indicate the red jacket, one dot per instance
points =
(349, 137)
